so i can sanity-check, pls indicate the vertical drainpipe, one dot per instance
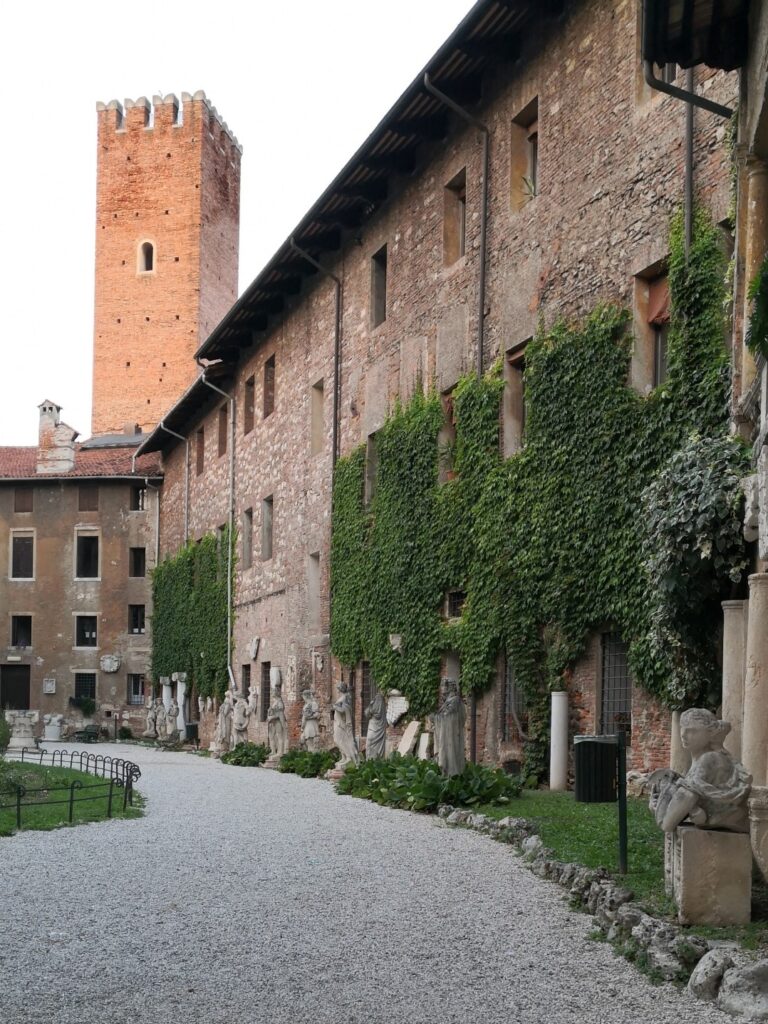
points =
(231, 516)
(483, 129)
(336, 384)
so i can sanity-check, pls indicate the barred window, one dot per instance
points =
(615, 687)
(514, 714)
(135, 693)
(264, 696)
(85, 686)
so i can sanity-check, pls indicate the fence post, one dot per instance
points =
(125, 793)
(20, 791)
(109, 802)
(75, 785)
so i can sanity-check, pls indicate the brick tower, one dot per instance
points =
(167, 222)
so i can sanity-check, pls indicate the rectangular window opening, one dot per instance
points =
(267, 513)
(246, 528)
(86, 629)
(245, 681)
(514, 718)
(313, 589)
(371, 468)
(446, 440)
(135, 693)
(513, 401)
(524, 155)
(316, 424)
(85, 686)
(455, 218)
(22, 556)
(223, 429)
(136, 618)
(249, 404)
(454, 603)
(138, 502)
(200, 450)
(137, 562)
(88, 498)
(269, 386)
(264, 695)
(87, 556)
(22, 499)
(21, 631)
(379, 287)
(615, 687)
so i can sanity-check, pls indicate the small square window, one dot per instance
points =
(454, 604)
(85, 630)
(138, 502)
(88, 498)
(136, 620)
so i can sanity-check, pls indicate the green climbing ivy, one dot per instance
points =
(757, 331)
(552, 543)
(189, 622)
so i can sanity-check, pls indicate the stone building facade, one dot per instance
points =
(585, 166)
(167, 222)
(78, 541)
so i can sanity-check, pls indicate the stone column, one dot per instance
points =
(755, 249)
(558, 749)
(754, 736)
(679, 757)
(734, 614)
(165, 682)
(181, 696)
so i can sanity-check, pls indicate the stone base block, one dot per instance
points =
(273, 761)
(758, 823)
(712, 876)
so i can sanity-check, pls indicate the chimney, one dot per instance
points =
(56, 441)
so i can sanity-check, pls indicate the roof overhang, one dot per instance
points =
(689, 32)
(193, 404)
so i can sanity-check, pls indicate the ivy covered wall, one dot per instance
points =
(189, 624)
(620, 509)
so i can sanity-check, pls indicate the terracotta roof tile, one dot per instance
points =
(21, 463)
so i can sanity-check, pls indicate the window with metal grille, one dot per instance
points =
(21, 631)
(615, 688)
(455, 603)
(138, 499)
(135, 694)
(367, 691)
(245, 684)
(88, 498)
(85, 630)
(514, 714)
(87, 556)
(85, 686)
(136, 618)
(264, 696)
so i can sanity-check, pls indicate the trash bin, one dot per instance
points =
(594, 760)
(192, 732)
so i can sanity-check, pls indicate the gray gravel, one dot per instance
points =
(244, 895)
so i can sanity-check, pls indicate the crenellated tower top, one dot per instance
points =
(163, 112)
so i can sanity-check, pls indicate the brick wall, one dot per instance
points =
(174, 184)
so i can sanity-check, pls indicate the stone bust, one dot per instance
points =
(714, 791)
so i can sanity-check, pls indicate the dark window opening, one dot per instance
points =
(264, 696)
(138, 498)
(135, 694)
(21, 631)
(245, 681)
(136, 618)
(455, 603)
(371, 468)
(200, 451)
(267, 515)
(85, 630)
(455, 218)
(269, 386)
(22, 499)
(379, 287)
(616, 687)
(88, 498)
(247, 531)
(249, 405)
(85, 686)
(137, 562)
(87, 557)
(513, 410)
(23, 557)
(146, 257)
(223, 419)
(514, 715)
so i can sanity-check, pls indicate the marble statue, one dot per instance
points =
(161, 720)
(53, 725)
(253, 701)
(171, 721)
(376, 735)
(310, 721)
(713, 793)
(277, 724)
(150, 732)
(209, 703)
(200, 706)
(344, 728)
(448, 725)
(222, 737)
(240, 715)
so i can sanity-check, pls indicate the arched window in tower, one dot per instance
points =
(146, 257)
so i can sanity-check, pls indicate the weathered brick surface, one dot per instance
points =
(610, 174)
(176, 185)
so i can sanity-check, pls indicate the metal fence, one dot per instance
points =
(118, 777)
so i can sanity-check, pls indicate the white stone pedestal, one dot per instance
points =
(711, 874)
(22, 728)
(758, 822)
(558, 750)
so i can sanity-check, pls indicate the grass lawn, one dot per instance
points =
(589, 834)
(52, 784)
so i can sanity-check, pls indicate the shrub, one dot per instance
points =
(308, 765)
(5, 733)
(419, 786)
(125, 732)
(247, 755)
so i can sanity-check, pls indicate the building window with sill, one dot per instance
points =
(136, 618)
(135, 694)
(379, 287)
(455, 218)
(21, 631)
(87, 556)
(513, 400)
(86, 630)
(22, 555)
(524, 155)
(85, 686)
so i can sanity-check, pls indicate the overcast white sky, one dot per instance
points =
(300, 83)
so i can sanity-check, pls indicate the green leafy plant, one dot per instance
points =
(246, 755)
(308, 764)
(5, 734)
(757, 331)
(125, 732)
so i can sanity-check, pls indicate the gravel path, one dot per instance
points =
(244, 895)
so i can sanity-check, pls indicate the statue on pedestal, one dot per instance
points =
(310, 721)
(161, 720)
(222, 737)
(171, 721)
(150, 732)
(448, 724)
(277, 724)
(376, 735)
(240, 717)
(344, 728)
(714, 791)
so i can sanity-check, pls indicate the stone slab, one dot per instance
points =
(712, 874)
(408, 742)
(425, 743)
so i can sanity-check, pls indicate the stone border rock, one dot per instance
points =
(716, 971)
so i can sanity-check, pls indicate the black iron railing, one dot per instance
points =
(118, 778)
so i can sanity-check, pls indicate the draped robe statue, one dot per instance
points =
(344, 729)
(376, 736)
(310, 721)
(448, 724)
(277, 724)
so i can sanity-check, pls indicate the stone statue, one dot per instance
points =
(310, 721)
(253, 701)
(171, 721)
(200, 706)
(376, 736)
(240, 715)
(344, 728)
(448, 724)
(222, 737)
(53, 725)
(209, 703)
(150, 732)
(161, 720)
(714, 791)
(277, 724)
